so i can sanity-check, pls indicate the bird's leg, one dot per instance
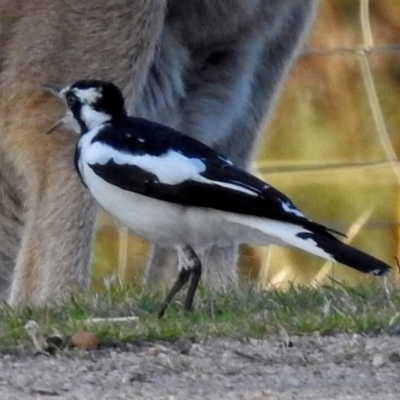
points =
(195, 268)
(189, 265)
(183, 277)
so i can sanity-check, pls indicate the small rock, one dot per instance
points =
(293, 382)
(85, 340)
(315, 359)
(129, 347)
(137, 377)
(45, 392)
(154, 351)
(254, 342)
(317, 372)
(394, 357)
(183, 346)
(55, 341)
(378, 360)
(232, 371)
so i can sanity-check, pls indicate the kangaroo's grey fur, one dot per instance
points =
(218, 72)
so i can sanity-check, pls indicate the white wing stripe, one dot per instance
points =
(232, 186)
(172, 168)
(289, 208)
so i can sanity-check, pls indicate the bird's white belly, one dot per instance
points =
(162, 222)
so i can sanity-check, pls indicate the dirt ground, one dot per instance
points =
(340, 367)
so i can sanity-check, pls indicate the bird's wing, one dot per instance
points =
(183, 171)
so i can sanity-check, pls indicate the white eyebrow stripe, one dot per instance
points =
(88, 95)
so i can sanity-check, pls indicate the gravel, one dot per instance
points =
(345, 367)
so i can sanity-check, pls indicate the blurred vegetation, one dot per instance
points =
(321, 148)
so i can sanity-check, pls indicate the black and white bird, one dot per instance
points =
(175, 191)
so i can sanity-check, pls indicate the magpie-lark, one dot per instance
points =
(175, 191)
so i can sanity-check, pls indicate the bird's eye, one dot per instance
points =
(71, 100)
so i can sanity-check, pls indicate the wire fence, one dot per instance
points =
(361, 53)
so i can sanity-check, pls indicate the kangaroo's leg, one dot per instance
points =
(58, 42)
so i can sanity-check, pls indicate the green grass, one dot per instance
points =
(244, 313)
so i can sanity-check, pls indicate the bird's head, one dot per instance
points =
(90, 103)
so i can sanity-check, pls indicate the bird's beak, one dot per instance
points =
(56, 91)
(55, 126)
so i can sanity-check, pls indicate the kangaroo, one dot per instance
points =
(210, 69)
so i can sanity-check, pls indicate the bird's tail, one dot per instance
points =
(342, 253)
(319, 242)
